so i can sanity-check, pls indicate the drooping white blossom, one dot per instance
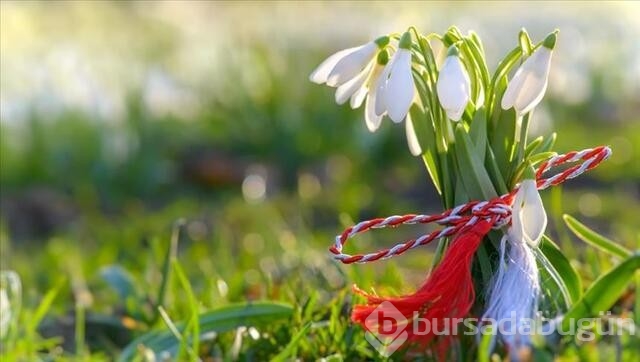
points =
(528, 218)
(363, 86)
(346, 64)
(398, 90)
(528, 85)
(384, 85)
(454, 86)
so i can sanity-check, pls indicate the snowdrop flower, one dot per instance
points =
(527, 87)
(396, 88)
(528, 218)
(454, 86)
(347, 64)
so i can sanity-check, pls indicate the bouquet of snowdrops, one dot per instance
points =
(469, 126)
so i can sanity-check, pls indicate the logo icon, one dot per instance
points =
(386, 329)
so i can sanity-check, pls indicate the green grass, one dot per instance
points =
(222, 294)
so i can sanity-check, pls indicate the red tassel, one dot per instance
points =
(447, 293)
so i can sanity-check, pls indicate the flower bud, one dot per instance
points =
(454, 86)
(527, 87)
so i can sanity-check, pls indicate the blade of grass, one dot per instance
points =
(594, 239)
(604, 292)
(172, 252)
(486, 342)
(176, 333)
(471, 169)
(289, 351)
(31, 330)
(80, 330)
(193, 305)
(218, 320)
(44, 306)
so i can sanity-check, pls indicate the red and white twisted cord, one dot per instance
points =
(498, 210)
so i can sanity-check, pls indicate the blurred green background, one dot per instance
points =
(119, 118)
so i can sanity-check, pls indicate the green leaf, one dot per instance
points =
(525, 42)
(44, 306)
(594, 239)
(494, 172)
(193, 305)
(172, 252)
(447, 182)
(471, 169)
(531, 147)
(475, 47)
(604, 292)
(500, 77)
(472, 68)
(461, 196)
(478, 133)
(502, 139)
(485, 346)
(548, 143)
(549, 269)
(120, 280)
(219, 320)
(431, 73)
(571, 281)
(539, 157)
(531, 161)
(431, 164)
(425, 133)
(485, 263)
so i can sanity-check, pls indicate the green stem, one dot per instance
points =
(524, 132)
(80, 329)
(170, 256)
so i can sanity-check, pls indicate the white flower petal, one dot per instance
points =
(412, 139)
(347, 89)
(371, 118)
(381, 86)
(531, 94)
(399, 91)
(351, 64)
(512, 91)
(528, 217)
(320, 74)
(529, 84)
(453, 87)
(534, 217)
(358, 97)
(454, 114)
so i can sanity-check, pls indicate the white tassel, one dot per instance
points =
(513, 296)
